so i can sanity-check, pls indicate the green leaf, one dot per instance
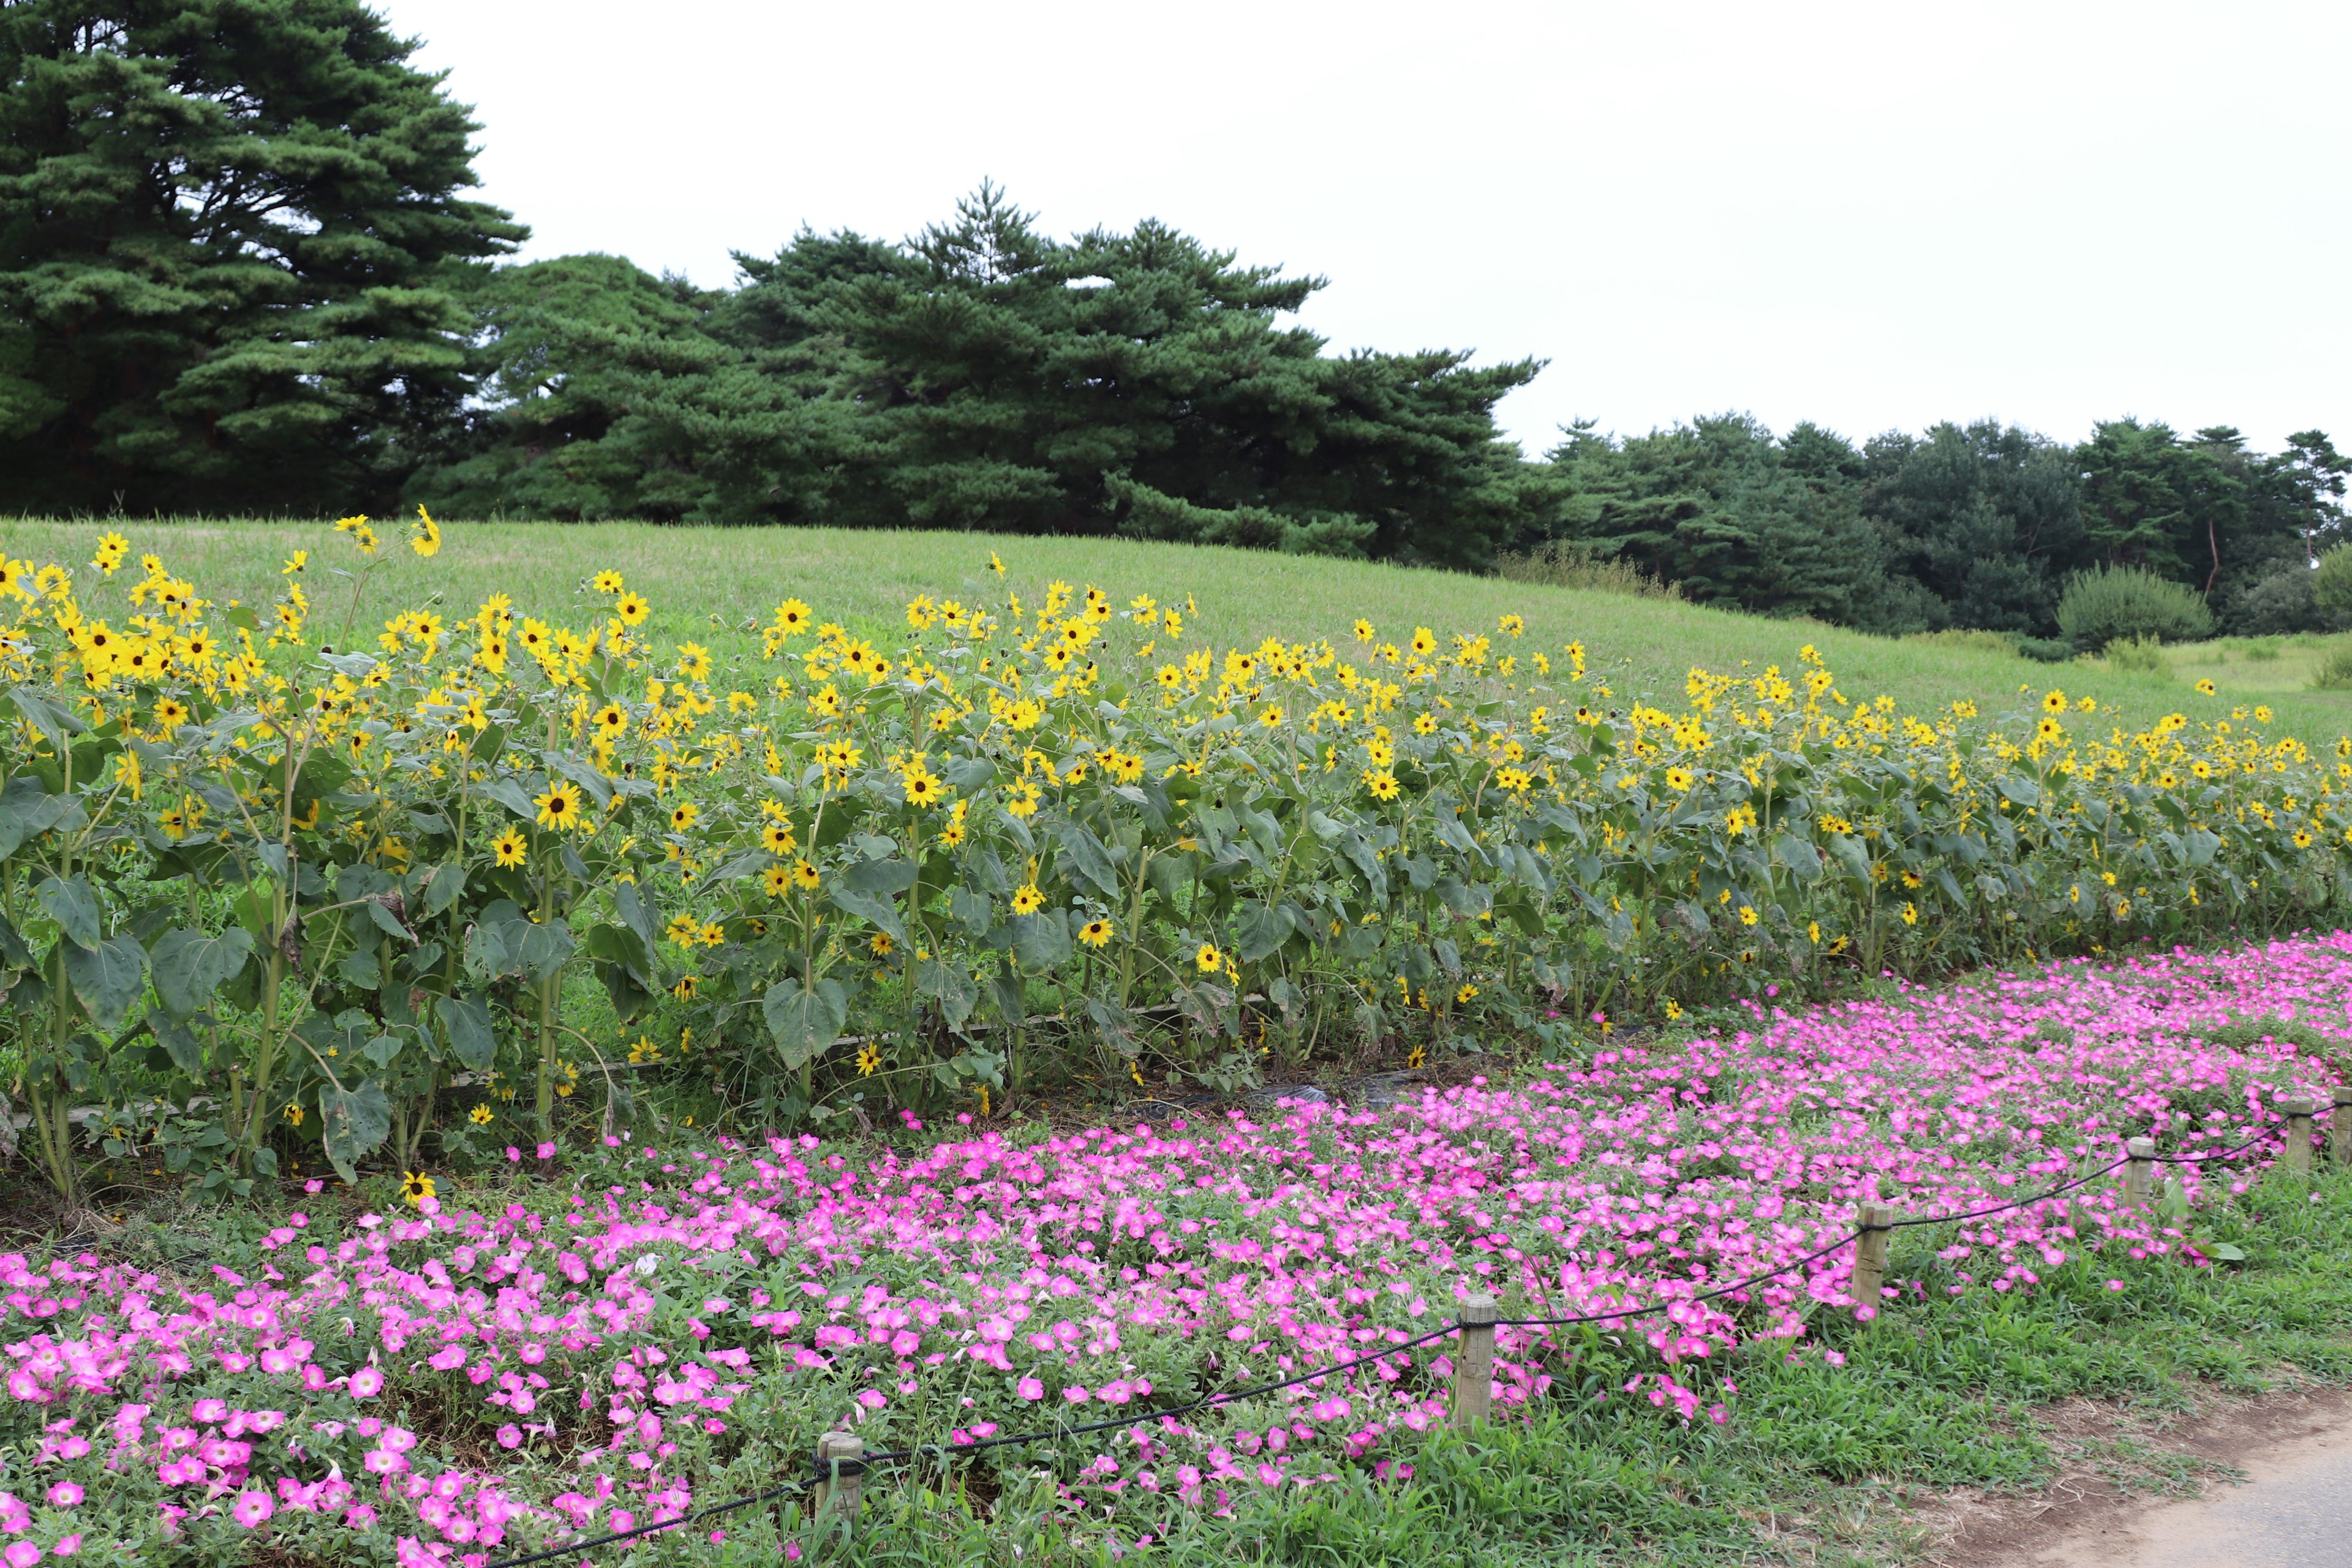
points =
(951, 986)
(386, 922)
(27, 811)
(1259, 929)
(545, 949)
(599, 787)
(361, 969)
(891, 876)
(73, 906)
(1850, 853)
(804, 1021)
(107, 978)
(637, 914)
(355, 1121)
(508, 794)
(1040, 941)
(874, 908)
(1089, 855)
(442, 888)
(187, 1052)
(53, 717)
(467, 1021)
(190, 965)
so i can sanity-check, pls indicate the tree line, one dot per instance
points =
(240, 273)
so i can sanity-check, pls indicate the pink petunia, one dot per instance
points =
(252, 1507)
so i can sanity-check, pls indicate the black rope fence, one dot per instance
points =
(840, 1468)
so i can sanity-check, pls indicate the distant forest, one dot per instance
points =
(239, 274)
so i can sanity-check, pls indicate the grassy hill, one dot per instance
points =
(717, 585)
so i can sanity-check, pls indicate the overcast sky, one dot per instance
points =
(1869, 215)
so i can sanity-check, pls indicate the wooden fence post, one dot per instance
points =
(1870, 1255)
(2340, 1128)
(2139, 1171)
(839, 1497)
(1474, 1363)
(2297, 1108)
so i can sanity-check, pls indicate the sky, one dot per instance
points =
(1869, 215)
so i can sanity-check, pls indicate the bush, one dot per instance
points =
(1972, 639)
(2045, 650)
(2280, 602)
(2331, 581)
(1573, 564)
(2112, 603)
(2143, 655)
(2334, 671)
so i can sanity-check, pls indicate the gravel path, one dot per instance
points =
(2293, 1510)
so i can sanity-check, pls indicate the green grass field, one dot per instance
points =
(719, 585)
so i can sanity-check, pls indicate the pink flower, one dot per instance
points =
(1030, 1388)
(65, 1494)
(1076, 1394)
(21, 1554)
(366, 1382)
(547, 1151)
(66, 1546)
(509, 1435)
(252, 1507)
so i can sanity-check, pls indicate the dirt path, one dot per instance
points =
(2289, 1454)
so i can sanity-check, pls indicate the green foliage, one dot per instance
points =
(232, 254)
(984, 375)
(1726, 513)
(1959, 636)
(2141, 654)
(2111, 603)
(1976, 527)
(1573, 564)
(2334, 671)
(2331, 582)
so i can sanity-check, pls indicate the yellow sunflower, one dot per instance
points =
(560, 806)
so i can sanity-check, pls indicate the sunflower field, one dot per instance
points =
(297, 878)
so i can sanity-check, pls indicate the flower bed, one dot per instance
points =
(263, 902)
(614, 1339)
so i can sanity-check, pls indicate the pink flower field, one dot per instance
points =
(616, 1338)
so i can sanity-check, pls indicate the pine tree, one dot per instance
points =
(232, 254)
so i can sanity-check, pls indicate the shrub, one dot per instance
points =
(2143, 655)
(2045, 650)
(1573, 564)
(2113, 603)
(2331, 581)
(2334, 671)
(2279, 602)
(1974, 639)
